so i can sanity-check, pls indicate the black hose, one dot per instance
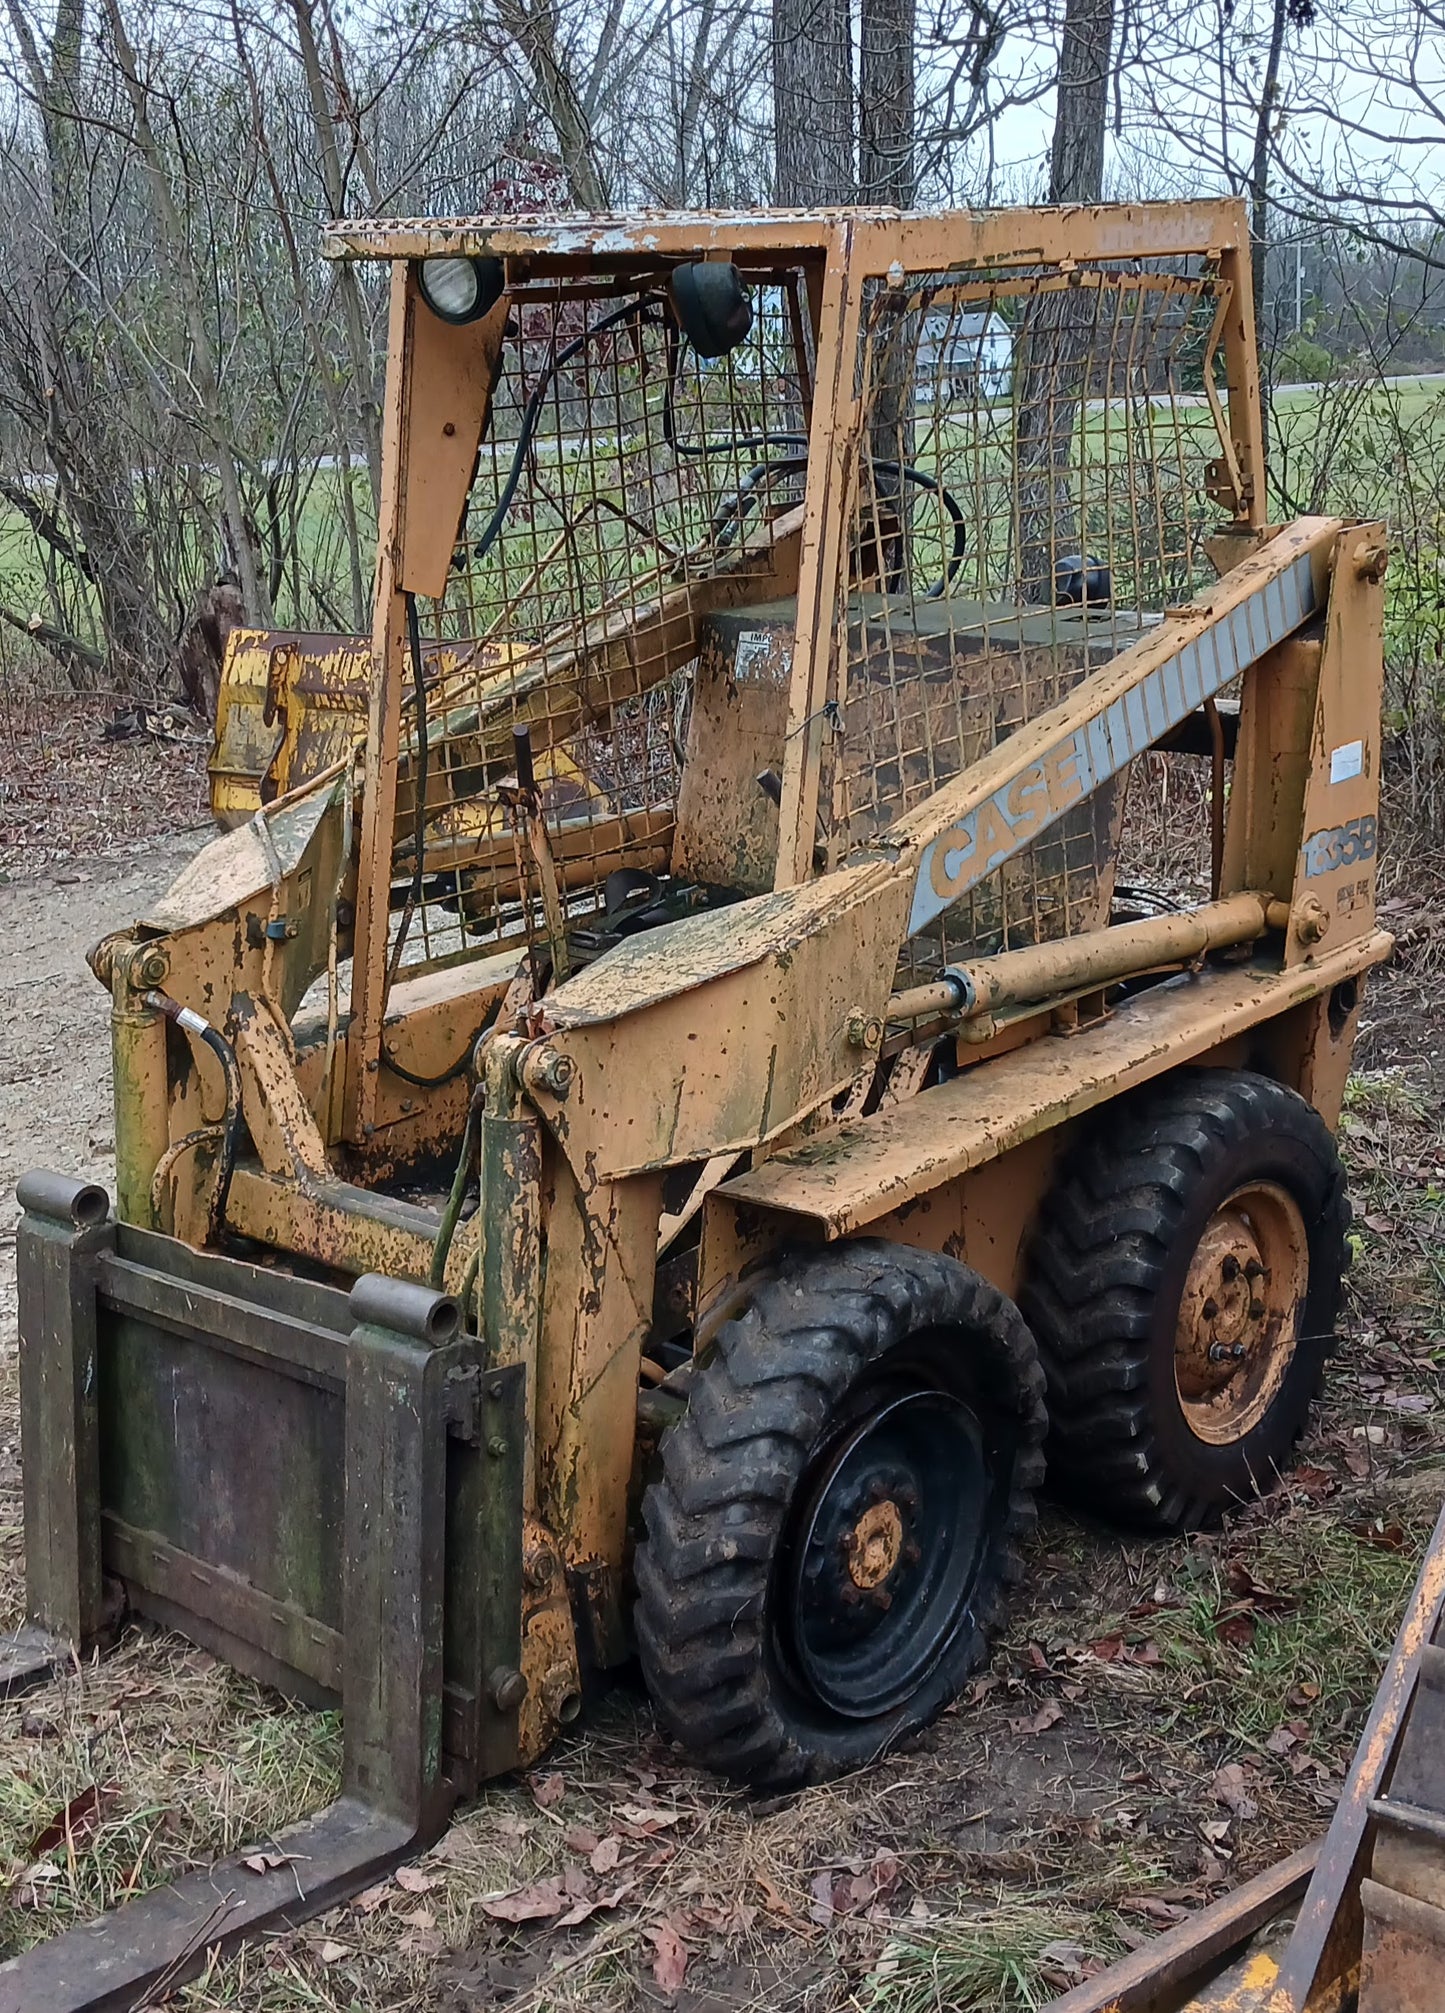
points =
(453, 1070)
(532, 409)
(796, 463)
(451, 1215)
(195, 1024)
(419, 778)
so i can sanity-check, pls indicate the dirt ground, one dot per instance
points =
(1162, 1720)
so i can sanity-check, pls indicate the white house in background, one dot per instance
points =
(963, 356)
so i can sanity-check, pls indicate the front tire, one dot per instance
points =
(838, 1514)
(1183, 1282)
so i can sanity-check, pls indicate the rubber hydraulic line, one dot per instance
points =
(200, 1029)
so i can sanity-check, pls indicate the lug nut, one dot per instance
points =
(1230, 1269)
(911, 1553)
(1256, 1310)
(1254, 1270)
(851, 1595)
(882, 1598)
(908, 1497)
(1210, 1310)
(1226, 1352)
(877, 1491)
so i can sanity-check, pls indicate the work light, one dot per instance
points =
(461, 290)
(712, 306)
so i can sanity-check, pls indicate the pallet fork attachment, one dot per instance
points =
(372, 1401)
(1369, 1926)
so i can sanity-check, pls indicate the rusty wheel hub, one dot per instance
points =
(878, 1569)
(875, 1544)
(1240, 1311)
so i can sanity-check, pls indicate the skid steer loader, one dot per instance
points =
(648, 1144)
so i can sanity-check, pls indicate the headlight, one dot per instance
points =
(461, 290)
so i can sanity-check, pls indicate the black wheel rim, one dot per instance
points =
(886, 1544)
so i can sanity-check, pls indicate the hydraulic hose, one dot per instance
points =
(200, 1029)
(452, 1214)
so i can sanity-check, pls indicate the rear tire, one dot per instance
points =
(1183, 1282)
(838, 1514)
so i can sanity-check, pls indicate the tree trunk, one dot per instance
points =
(886, 103)
(1081, 116)
(203, 373)
(94, 484)
(886, 175)
(1052, 344)
(813, 103)
(1259, 165)
(360, 349)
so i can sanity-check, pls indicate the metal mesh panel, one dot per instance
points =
(1031, 494)
(625, 487)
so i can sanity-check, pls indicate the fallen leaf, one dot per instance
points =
(1231, 1787)
(821, 1889)
(1215, 1829)
(1068, 1959)
(647, 1817)
(670, 1955)
(1381, 1225)
(371, 1898)
(1314, 1482)
(580, 1838)
(1156, 1910)
(605, 1854)
(1281, 1741)
(1236, 1627)
(537, 1903)
(1265, 1600)
(1049, 1714)
(414, 1881)
(332, 1953)
(76, 1821)
(265, 1862)
(420, 1918)
(547, 1789)
(1408, 1401)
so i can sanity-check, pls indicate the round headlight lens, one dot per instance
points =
(461, 290)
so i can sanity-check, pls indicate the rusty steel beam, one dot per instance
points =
(1160, 1977)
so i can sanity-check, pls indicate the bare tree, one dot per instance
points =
(814, 153)
(886, 112)
(1053, 338)
(1081, 117)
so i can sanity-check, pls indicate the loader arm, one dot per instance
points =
(814, 965)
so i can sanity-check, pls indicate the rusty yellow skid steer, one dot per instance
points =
(648, 1143)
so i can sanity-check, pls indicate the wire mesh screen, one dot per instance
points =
(626, 487)
(1031, 494)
